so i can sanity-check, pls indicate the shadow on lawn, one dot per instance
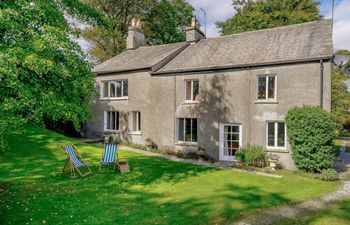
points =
(38, 154)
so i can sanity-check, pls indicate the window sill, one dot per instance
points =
(135, 133)
(188, 102)
(111, 131)
(272, 101)
(114, 99)
(182, 143)
(277, 150)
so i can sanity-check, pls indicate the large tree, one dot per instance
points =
(164, 21)
(44, 77)
(341, 95)
(260, 14)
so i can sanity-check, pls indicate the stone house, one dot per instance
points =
(214, 93)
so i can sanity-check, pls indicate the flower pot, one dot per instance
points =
(273, 165)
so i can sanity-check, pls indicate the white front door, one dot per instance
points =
(230, 140)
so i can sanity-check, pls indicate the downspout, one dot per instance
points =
(174, 108)
(321, 84)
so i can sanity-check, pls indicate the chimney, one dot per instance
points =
(194, 33)
(136, 37)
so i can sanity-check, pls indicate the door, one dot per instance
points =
(230, 140)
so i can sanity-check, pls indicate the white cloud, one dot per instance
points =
(217, 10)
(341, 25)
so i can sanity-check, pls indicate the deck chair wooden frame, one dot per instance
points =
(111, 166)
(73, 168)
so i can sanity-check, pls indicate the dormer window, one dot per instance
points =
(114, 89)
(192, 90)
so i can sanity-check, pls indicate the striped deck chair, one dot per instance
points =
(75, 160)
(109, 158)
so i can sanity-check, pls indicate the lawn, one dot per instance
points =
(337, 213)
(156, 191)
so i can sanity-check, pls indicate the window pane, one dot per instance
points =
(105, 89)
(261, 87)
(113, 121)
(271, 134)
(108, 121)
(117, 120)
(187, 129)
(195, 90)
(181, 130)
(118, 85)
(139, 121)
(125, 88)
(112, 89)
(134, 121)
(194, 130)
(271, 86)
(281, 135)
(188, 90)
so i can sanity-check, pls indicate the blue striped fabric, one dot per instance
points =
(70, 151)
(109, 154)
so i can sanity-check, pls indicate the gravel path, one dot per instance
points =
(291, 211)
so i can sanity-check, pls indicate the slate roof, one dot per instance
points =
(291, 43)
(146, 57)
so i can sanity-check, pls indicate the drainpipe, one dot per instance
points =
(321, 84)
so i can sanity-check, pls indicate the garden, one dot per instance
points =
(156, 191)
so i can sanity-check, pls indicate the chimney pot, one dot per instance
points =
(194, 33)
(136, 37)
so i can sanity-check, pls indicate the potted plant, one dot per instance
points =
(149, 143)
(273, 159)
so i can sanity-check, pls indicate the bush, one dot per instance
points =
(252, 155)
(328, 175)
(311, 133)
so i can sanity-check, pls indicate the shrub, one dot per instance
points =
(328, 175)
(252, 155)
(311, 133)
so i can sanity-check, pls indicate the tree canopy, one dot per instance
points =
(341, 96)
(163, 21)
(44, 77)
(261, 14)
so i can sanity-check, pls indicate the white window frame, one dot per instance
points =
(191, 90)
(276, 136)
(221, 152)
(138, 122)
(184, 130)
(109, 89)
(267, 88)
(105, 114)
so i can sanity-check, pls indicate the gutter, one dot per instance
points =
(241, 66)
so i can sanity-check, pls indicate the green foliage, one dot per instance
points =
(341, 96)
(252, 155)
(261, 14)
(311, 133)
(328, 175)
(43, 73)
(164, 21)
(156, 191)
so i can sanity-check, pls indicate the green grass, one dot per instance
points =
(156, 191)
(337, 213)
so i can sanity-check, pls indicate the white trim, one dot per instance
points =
(221, 140)
(267, 99)
(122, 97)
(117, 121)
(275, 147)
(191, 90)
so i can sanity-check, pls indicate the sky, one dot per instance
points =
(220, 10)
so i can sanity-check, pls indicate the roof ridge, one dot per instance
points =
(273, 28)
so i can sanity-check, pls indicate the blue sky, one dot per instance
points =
(220, 10)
